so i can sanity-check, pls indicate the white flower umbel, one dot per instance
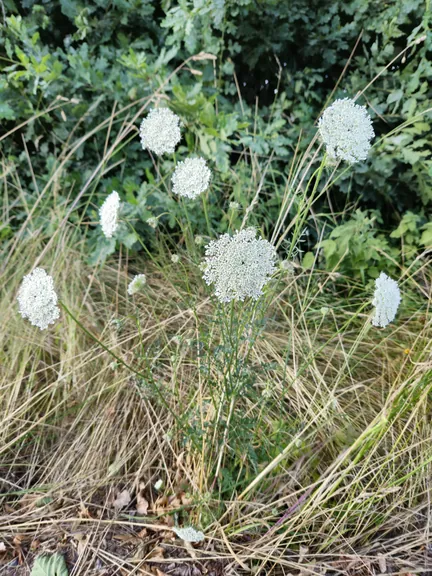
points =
(191, 178)
(239, 266)
(386, 300)
(189, 534)
(346, 129)
(137, 284)
(160, 131)
(37, 299)
(152, 222)
(175, 258)
(108, 214)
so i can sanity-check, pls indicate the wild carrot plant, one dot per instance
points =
(259, 393)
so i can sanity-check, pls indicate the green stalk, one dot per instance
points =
(205, 208)
(118, 359)
(304, 211)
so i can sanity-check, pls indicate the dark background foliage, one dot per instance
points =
(287, 58)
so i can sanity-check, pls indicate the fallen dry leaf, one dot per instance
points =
(122, 500)
(145, 570)
(175, 501)
(82, 543)
(304, 551)
(382, 564)
(17, 541)
(160, 506)
(168, 520)
(167, 535)
(169, 503)
(157, 553)
(127, 538)
(185, 500)
(140, 552)
(84, 511)
(142, 503)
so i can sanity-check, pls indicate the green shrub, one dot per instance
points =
(85, 60)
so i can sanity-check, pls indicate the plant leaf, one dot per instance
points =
(53, 565)
(142, 503)
(123, 499)
(308, 260)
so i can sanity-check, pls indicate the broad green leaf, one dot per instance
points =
(410, 156)
(395, 96)
(53, 565)
(308, 260)
(6, 111)
(329, 247)
(426, 237)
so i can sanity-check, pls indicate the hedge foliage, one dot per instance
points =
(285, 58)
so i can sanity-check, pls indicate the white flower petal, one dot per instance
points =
(152, 222)
(191, 178)
(108, 214)
(239, 266)
(37, 299)
(189, 534)
(346, 129)
(386, 300)
(137, 284)
(160, 131)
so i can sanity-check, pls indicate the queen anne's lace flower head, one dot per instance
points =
(152, 222)
(175, 258)
(37, 299)
(346, 129)
(239, 266)
(108, 214)
(191, 178)
(137, 284)
(160, 131)
(386, 300)
(189, 534)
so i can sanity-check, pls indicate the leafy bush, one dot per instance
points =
(66, 66)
